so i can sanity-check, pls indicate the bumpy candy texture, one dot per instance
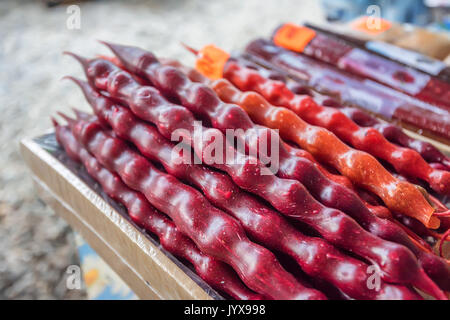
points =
(212, 230)
(140, 102)
(405, 161)
(390, 131)
(368, 65)
(214, 272)
(329, 193)
(316, 257)
(294, 201)
(365, 93)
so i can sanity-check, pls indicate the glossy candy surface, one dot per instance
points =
(344, 200)
(368, 65)
(217, 274)
(288, 196)
(352, 89)
(404, 160)
(213, 231)
(390, 131)
(316, 257)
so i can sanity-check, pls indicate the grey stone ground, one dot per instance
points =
(36, 246)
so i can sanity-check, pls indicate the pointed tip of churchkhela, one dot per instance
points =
(118, 49)
(130, 56)
(81, 115)
(441, 209)
(84, 85)
(82, 60)
(88, 91)
(190, 49)
(106, 43)
(425, 284)
(73, 79)
(69, 120)
(54, 122)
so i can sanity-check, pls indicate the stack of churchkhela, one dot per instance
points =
(330, 222)
(355, 89)
(367, 65)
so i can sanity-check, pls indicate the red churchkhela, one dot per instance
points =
(316, 257)
(213, 231)
(390, 131)
(288, 196)
(217, 274)
(405, 161)
(334, 82)
(436, 268)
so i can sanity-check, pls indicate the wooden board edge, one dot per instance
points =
(127, 273)
(445, 148)
(130, 243)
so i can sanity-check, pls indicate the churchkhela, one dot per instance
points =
(344, 56)
(353, 89)
(153, 142)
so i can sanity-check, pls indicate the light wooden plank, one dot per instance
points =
(445, 148)
(109, 255)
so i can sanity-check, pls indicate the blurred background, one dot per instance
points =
(36, 246)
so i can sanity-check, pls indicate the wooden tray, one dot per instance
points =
(149, 270)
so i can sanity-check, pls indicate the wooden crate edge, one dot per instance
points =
(57, 178)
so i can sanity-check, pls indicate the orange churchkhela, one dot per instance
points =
(362, 168)
(287, 196)
(404, 160)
